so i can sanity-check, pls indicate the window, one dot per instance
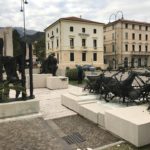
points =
(57, 30)
(146, 37)
(104, 37)
(57, 42)
(113, 27)
(140, 27)
(133, 36)
(48, 45)
(146, 48)
(52, 45)
(83, 56)
(133, 26)
(113, 36)
(94, 31)
(140, 36)
(126, 26)
(104, 49)
(71, 29)
(58, 57)
(146, 28)
(48, 35)
(133, 48)
(83, 30)
(94, 56)
(84, 42)
(126, 47)
(139, 48)
(95, 43)
(72, 42)
(71, 56)
(126, 35)
(145, 62)
(105, 61)
(52, 33)
(113, 48)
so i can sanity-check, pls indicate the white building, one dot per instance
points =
(75, 41)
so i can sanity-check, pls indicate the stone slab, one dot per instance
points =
(19, 108)
(57, 82)
(39, 80)
(94, 112)
(73, 102)
(130, 123)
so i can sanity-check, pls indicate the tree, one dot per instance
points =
(40, 49)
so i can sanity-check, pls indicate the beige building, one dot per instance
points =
(127, 42)
(75, 41)
(6, 34)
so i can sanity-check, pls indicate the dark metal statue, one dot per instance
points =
(11, 65)
(111, 87)
(49, 65)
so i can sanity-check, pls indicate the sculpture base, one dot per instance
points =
(130, 123)
(19, 108)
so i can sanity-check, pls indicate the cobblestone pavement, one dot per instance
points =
(94, 135)
(30, 134)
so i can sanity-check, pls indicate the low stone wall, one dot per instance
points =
(19, 108)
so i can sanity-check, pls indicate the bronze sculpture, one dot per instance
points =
(49, 65)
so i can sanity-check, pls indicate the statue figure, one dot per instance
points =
(50, 65)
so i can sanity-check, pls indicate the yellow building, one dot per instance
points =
(75, 41)
(127, 42)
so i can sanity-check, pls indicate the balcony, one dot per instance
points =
(143, 53)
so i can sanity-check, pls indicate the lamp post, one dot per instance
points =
(23, 3)
(23, 48)
(115, 17)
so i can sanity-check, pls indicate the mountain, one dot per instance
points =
(31, 35)
(21, 31)
(38, 36)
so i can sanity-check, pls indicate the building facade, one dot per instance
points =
(75, 41)
(127, 43)
(6, 35)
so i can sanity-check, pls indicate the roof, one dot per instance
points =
(76, 19)
(128, 21)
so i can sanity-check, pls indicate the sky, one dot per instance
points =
(41, 13)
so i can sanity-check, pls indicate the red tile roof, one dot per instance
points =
(72, 18)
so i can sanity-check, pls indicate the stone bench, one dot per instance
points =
(130, 123)
(57, 82)
(39, 80)
(19, 108)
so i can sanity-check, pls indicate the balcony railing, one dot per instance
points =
(140, 53)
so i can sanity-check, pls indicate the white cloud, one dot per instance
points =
(41, 13)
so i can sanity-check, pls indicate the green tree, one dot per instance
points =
(40, 49)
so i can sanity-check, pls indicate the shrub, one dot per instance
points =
(72, 74)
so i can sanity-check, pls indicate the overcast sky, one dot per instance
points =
(41, 13)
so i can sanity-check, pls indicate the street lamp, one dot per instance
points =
(23, 47)
(115, 17)
(23, 2)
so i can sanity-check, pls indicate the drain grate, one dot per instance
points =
(74, 138)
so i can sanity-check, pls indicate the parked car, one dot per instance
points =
(88, 68)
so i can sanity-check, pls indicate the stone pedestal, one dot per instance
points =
(131, 124)
(19, 108)
(39, 80)
(57, 82)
